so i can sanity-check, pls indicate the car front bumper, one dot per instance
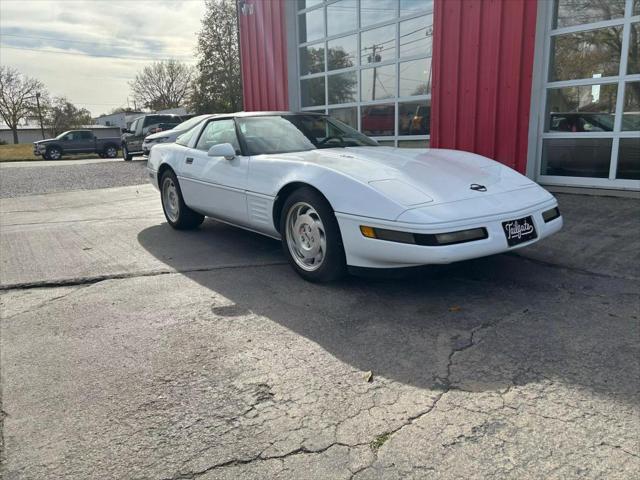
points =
(375, 253)
(153, 177)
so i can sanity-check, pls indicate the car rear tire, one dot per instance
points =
(125, 153)
(311, 237)
(110, 151)
(53, 153)
(177, 213)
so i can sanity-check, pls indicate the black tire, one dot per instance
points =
(125, 153)
(53, 153)
(333, 264)
(185, 218)
(110, 151)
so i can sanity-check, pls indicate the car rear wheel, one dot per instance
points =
(125, 153)
(177, 213)
(311, 236)
(110, 151)
(53, 153)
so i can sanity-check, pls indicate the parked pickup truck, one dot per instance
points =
(133, 137)
(76, 141)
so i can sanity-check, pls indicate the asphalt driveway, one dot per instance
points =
(129, 350)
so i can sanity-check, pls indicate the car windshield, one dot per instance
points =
(192, 122)
(297, 133)
(63, 134)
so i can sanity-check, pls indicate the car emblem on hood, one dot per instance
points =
(477, 187)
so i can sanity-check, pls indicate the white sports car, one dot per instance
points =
(336, 199)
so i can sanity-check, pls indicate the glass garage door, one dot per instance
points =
(368, 63)
(590, 122)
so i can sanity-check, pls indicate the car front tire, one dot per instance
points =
(53, 153)
(125, 153)
(177, 213)
(311, 237)
(110, 151)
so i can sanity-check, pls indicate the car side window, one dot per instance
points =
(86, 135)
(216, 132)
(134, 125)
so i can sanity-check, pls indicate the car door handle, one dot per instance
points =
(189, 160)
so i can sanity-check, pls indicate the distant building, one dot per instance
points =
(30, 133)
(119, 120)
(550, 87)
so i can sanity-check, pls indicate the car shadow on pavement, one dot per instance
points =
(481, 325)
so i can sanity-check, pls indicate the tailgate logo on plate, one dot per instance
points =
(520, 230)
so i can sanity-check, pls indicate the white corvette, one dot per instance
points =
(336, 199)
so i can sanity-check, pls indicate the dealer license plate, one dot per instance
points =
(519, 231)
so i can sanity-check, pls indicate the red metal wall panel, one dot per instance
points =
(482, 72)
(264, 52)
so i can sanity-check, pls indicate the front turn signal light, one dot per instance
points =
(368, 232)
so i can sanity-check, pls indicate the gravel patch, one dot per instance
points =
(22, 181)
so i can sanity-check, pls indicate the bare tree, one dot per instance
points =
(63, 115)
(218, 85)
(17, 97)
(161, 85)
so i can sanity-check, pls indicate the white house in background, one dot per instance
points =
(124, 119)
(119, 120)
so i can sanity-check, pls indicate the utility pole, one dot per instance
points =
(39, 113)
(374, 57)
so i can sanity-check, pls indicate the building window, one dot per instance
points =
(590, 125)
(368, 64)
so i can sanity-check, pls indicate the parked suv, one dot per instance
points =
(141, 127)
(76, 141)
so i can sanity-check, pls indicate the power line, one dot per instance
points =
(80, 54)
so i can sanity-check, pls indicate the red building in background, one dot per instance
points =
(550, 87)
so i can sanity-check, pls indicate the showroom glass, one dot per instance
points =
(631, 109)
(343, 17)
(302, 4)
(312, 91)
(347, 115)
(583, 108)
(378, 45)
(588, 54)
(312, 59)
(568, 13)
(416, 36)
(297, 133)
(378, 83)
(580, 157)
(377, 11)
(217, 132)
(361, 59)
(591, 112)
(629, 159)
(378, 120)
(414, 118)
(633, 62)
(342, 87)
(311, 25)
(415, 77)
(341, 53)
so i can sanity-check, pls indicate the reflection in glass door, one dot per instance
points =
(590, 115)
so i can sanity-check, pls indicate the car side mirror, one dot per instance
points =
(225, 150)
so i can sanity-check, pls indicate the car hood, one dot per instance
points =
(46, 140)
(413, 177)
(171, 134)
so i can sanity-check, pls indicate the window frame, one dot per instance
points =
(326, 107)
(545, 21)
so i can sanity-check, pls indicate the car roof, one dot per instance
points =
(264, 114)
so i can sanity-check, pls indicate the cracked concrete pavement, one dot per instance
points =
(129, 350)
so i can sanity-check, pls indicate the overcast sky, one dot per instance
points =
(60, 42)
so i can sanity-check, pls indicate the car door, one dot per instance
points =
(214, 185)
(84, 142)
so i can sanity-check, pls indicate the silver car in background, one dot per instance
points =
(169, 136)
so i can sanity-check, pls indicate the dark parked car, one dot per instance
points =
(141, 127)
(76, 141)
